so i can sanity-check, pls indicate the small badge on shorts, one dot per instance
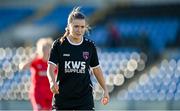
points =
(85, 55)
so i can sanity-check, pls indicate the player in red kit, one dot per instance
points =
(40, 94)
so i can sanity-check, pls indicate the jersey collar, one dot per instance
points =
(75, 43)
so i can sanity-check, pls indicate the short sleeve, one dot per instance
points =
(94, 62)
(54, 53)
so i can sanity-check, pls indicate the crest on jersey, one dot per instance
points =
(85, 55)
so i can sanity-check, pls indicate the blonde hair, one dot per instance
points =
(42, 43)
(75, 14)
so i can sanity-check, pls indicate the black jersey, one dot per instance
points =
(74, 62)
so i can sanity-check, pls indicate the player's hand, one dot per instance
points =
(105, 99)
(55, 88)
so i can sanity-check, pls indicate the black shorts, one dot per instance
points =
(85, 107)
(87, 104)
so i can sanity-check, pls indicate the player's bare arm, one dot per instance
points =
(26, 64)
(50, 74)
(99, 76)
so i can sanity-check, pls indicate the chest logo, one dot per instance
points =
(85, 55)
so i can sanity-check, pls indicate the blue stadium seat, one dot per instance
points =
(161, 84)
(58, 16)
(10, 16)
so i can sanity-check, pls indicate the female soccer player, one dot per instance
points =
(74, 55)
(40, 94)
